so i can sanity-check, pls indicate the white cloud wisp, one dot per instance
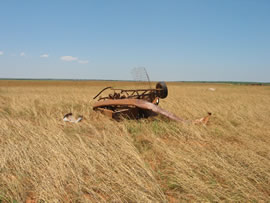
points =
(44, 56)
(22, 54)
(68, 58)
(1, 53)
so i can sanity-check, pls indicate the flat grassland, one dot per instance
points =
(44, 159)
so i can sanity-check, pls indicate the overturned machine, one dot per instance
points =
(136, 103)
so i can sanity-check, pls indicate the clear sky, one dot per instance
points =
(215, 40)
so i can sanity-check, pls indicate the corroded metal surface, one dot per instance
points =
(142, 104)
(144, 94)
(138, 103)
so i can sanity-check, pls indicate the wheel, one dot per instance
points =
(162, 90)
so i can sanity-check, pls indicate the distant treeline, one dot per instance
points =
(225, 82)
(230, 82)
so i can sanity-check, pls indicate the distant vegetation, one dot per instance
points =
(43, 159)
(225, 82)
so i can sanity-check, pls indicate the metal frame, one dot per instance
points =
(145, 94)
(132, 103)
(137, 103)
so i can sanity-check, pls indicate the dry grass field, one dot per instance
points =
(43, 159)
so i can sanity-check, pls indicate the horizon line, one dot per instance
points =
(196, 81)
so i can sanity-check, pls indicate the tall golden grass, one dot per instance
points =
(43, 159)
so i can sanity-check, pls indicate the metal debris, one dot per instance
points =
(212, 89)
(137, 103)
(70, 118)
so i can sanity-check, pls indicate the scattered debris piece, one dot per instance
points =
(203, 120)
(70, 118)
(212, 89)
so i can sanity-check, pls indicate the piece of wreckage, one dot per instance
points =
(137, 103)
(70, 118)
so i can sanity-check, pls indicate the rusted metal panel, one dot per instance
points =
(106, 112)
(137, 103)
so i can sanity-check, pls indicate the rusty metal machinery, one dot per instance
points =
(149, 95)
(137, 103)
(133, 103)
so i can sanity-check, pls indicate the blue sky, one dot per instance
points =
(213, 40)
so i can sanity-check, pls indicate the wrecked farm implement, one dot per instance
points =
(136, 103)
